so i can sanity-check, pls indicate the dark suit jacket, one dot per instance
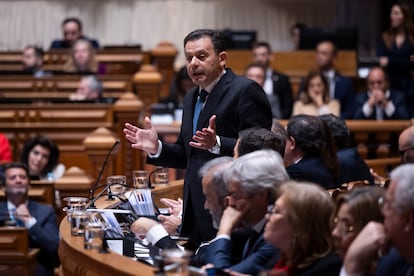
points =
(238, 103)
(283, 90)
(43, 235)
(328, 265)
(314, 170)
(393, 264)
(219, 254)
(396, 97)
(344, 93)
(352, 167)
(61, 44)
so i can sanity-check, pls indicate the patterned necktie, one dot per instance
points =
(198, 106)
(14, 219)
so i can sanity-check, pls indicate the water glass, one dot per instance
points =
(140, 178)
(94, 235)
(116, 183)
(161, 176)
(78, 218)
(176, 262)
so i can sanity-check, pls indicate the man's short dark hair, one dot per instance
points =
(215, 36)
(334, 48)
(73, 19)
(263, 44)
(252, 139)
(255, 65)
(9, 166)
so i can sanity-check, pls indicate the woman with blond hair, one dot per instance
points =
(82, 59)
(300, 226)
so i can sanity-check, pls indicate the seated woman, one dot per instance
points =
(299, 225)
(82, 59)
(41, 156)
(353, 211)
(315, 99)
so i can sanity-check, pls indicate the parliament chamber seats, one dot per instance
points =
(16, 258)
(295, 64)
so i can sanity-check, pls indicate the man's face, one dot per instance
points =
(17, 181)
(29, 59)
(81, 54)
(257, 74)
(325, 55)
(213, 203)
(262, 56)
(84, 91)
(71, 32)
(394, 221)
(204, 65)
(253, 206)
(376, 80)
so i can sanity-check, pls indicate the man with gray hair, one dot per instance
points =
(215, 192)
(406, 145)
(89, 89)
(395, 235)
(251, 181)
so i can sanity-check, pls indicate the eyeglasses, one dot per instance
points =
(343, 226)
(403, 152)
(385, 204)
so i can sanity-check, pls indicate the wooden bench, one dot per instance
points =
(68, 125)
(16, 258)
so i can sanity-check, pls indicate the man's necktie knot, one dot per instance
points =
(203, 95)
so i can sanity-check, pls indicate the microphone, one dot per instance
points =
(92, 191)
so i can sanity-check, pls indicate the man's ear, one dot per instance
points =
(223, 57)
(409, 222)
(292, 144)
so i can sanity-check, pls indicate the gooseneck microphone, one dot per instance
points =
(92, 191)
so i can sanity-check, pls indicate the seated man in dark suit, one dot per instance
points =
(251, 181)
(72, 31)
(39, 219)
(340, 87)
(276, 85)
(32, 60)
(351, 165)
(406, 145)
(89, 89)
(380, 102)
(309, 152)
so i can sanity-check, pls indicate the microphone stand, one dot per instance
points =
(150, 175)
(95, 186)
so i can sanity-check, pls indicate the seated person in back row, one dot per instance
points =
(39, 219)
(380, 102)
(89, 89)
(32, 60)
(72, 31)
(82, 59)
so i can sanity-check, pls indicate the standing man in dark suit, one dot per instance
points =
(277, 85)
(39, 219)
(232, 103)
(340, 87)
(380, 102)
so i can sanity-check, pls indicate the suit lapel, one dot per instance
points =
(214, 98)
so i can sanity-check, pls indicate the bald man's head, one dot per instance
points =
(406, 145)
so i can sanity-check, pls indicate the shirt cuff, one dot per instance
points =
(216, 148)
(344, 273)
(389, 108)
(32, 221)
(158, 153)
(222, 236)
(367, 109)
(156, 233)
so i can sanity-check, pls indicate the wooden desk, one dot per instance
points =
(76, 261)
